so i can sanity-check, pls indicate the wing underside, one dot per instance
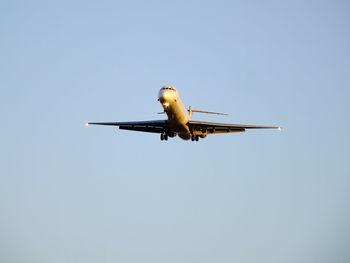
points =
(211, 127)
(157, 126)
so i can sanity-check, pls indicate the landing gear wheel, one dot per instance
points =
(192, 137)
(196, 138)
(163, 137)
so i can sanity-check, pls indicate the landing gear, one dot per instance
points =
(194, 138)
(163, 137)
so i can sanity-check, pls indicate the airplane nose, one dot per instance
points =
(165, 95)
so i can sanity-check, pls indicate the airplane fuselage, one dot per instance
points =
(178, 115)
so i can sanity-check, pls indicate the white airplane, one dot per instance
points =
(180, 121)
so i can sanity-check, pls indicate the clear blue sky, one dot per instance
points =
(70, 193)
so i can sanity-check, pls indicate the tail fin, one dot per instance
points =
(190, 110)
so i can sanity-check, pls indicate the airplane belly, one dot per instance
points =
(178, 118)
(185, 136)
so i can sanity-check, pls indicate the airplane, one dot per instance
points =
(179, 122)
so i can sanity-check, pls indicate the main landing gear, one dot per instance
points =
(194, 138)
(163, 137)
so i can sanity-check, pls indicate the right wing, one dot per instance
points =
(213, 127)
(157, 126)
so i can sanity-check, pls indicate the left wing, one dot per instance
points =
(157, 126)
(212, 127)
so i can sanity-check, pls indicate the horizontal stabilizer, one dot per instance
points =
(209, 112)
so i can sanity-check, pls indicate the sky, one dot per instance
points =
(70, 193)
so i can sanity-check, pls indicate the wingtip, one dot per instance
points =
(87, 124)
(280, 128)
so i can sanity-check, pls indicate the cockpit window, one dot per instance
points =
(169, 88)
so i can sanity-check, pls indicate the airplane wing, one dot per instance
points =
(212, 127)
(157, 126)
